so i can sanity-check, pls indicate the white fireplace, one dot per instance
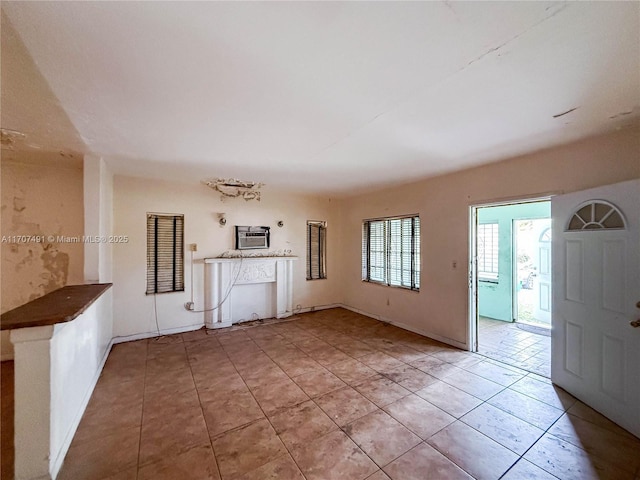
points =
(241, 289)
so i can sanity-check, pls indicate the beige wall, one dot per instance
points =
(42, 194)
(39, 196)
(134, 197)
(440, 309)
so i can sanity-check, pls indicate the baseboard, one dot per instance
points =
(57, 463)
(424, 333)
(316, 308)
(166, 331)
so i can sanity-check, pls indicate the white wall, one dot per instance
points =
(134, 197)
(98, 219)
(56, 370)
(440, 309)
(78, 352)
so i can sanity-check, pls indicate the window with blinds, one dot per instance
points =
(391, 252)
(165, 253)
(488, 235)
(316, 250)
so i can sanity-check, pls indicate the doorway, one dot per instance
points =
(532, 261)
(511, 283)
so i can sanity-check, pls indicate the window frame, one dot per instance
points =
(492, 276)
(170, 247)
(321, 267)
(387, 254)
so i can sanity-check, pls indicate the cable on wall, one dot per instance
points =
(155, 312)
(224, 299)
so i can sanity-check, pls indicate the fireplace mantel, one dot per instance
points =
(224, 277)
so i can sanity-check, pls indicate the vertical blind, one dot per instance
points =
(391, 252)
(316, 250)
(165, 253)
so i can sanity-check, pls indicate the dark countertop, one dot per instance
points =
(59, 306)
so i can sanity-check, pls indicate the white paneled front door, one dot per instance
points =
(596, 287)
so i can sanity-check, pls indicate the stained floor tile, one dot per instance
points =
(510, 343)
(101, 456)
(409, 377)
(425, 463)
(587, 413)
(421, 417)
(196, 463)
(279, 469)
(226, 414)
(165, 436)
(318, 383)
(247, 448)
(382, 391)
(509, 431)
(345, 405)
(567, 461)
(381, 437)
(545, 392)
(526, 408)
(527, 470)
(472, 451)
(450, 399)
(473, 384)
(334, 457)
(379, 475)
(316, 376)
(301, 424)
(352, 371)
(279, 395)
(496, 373)
(599, 441)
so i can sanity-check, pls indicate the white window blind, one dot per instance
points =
(316, 250)
(165, 253)
(488, 235)
(391, 252)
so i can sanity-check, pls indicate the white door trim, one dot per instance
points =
(472, 323)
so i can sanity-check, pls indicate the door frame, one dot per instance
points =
(473, 318)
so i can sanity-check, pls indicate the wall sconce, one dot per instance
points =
(280, 223)
(222, 219)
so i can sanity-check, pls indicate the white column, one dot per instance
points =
(284, 287)
(32, 397)
(218, 278)
(98, 219)
(91, 184)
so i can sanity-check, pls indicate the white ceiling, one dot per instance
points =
(330, 97)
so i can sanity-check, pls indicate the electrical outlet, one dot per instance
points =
(193, 247)
(188, 306)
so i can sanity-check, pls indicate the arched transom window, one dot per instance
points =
(545, 236)
(597, 215)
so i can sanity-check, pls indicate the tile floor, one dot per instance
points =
(505, 342)
(333, 395)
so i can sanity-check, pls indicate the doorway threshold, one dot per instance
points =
(536, 328)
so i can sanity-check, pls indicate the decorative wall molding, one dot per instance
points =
(257, 272)
(222, 274)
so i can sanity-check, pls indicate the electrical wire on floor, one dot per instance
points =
(224, 299)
